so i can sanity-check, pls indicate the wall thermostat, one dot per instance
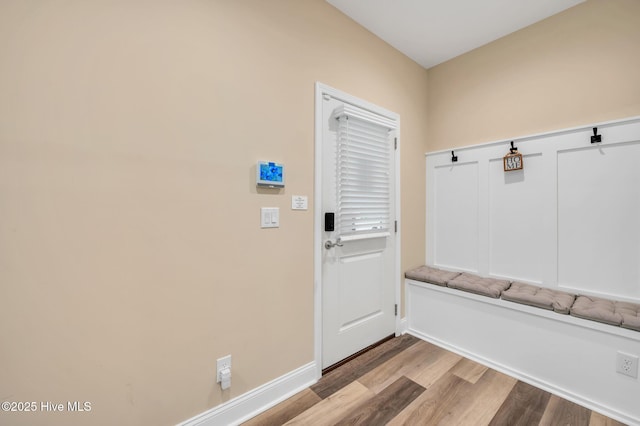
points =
(270, 174)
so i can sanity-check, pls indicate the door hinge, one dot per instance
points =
(395, 143)
(396, 310)
(395, 225)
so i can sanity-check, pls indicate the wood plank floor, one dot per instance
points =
(406, 381)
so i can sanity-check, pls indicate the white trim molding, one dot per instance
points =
(402, 327)
(254, 402)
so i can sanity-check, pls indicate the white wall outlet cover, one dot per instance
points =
(627, 364)
(222, 364)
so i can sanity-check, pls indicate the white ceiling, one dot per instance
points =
(433, 31)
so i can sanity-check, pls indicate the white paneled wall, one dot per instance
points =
(599, 219)
(569, 220)
(513, 244)
(456, 212)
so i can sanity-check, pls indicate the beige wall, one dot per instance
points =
(130, 250)
(576, 68)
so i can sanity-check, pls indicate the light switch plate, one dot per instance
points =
(270, 217)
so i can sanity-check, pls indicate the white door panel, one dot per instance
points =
(358, 275)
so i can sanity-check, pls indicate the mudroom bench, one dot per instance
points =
(564, 343)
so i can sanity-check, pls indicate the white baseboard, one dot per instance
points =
(402, 327)
(252, 403)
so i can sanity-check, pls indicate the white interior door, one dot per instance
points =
(358, 255)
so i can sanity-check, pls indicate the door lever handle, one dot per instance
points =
(330, 244)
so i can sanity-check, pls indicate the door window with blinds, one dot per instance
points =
(364, 157)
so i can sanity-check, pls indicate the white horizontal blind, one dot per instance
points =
(364, 185)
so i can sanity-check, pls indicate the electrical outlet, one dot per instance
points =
(627, 364)
(221, 364)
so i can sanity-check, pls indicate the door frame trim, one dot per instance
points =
(320, 90)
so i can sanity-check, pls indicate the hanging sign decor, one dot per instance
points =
(513, 160)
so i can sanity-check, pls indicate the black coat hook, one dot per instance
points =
(596, 137)
(513, 148)
(454, 157)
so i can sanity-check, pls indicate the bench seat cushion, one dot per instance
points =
(624, 314)
(490, 287)
(431, 275)
(630, 315)
(540, 297)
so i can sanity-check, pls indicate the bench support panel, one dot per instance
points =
(569, 357)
